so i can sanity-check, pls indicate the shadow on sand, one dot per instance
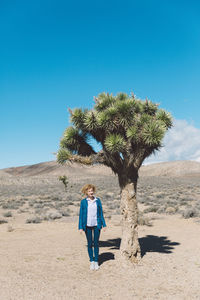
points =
(149, 243)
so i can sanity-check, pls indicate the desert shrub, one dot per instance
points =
(171, 202)
(153, 208)
(142, 220)
(39, 211)
(59, 204)
(161, 209)
(171, 210)
(53, 215)
(7, 214)
(190, 213)
(21, 210)
(31, 202)
(159, 196)
(65, 212)
(112, 205)
(56, 198)
(70, 197)
(183, 202)
(11, 205)
(109, 195)
(141, 199)
(45, 197)
(34, 219)
(48, 204)
(38, 205)
(2, 221)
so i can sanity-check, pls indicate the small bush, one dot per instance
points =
(33, 220)
(2, 221)
(161, 210)
(53, 215)
(11, 205)
(65, 212)
(190, 213)
(151, 209)
(142, 220)
(21, 210)
(31, 202)
(109, 195)
(7, 214)
(112, 205)
(59, 204)
(56, 198)
(171, 210)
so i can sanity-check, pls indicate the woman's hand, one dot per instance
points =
(104, 229)
(81, 231)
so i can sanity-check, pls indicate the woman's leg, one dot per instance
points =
(96, 243)
(88, 233)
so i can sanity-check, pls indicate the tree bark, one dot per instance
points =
(129, 248)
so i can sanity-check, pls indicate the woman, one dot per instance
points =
(91, 220)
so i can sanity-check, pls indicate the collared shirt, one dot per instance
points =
(92, 212)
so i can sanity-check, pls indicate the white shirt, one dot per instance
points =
(92, 212)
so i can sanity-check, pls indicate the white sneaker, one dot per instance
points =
(92, 265)
(96, 265)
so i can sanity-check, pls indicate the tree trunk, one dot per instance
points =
(129, 248)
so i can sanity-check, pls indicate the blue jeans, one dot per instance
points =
(91, 240)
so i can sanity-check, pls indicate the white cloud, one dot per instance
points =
(181, 142)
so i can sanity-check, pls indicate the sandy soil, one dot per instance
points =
(50, 261)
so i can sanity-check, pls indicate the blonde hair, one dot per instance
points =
(86, 187)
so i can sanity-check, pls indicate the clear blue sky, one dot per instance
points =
(59, 54)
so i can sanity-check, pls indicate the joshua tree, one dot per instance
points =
(128, 130)
(64, 181)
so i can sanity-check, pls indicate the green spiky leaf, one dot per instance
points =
(165, 117)
(76, 142)
(149, 107)
(153, 133)
(63, 155)
(121, 96)
(104, 101)
(78, 117)
(91, 122)
(132, 134)
(108, 119)
(115, 143)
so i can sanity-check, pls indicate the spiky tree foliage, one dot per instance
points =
(128, 129)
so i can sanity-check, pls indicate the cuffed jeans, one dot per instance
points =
(93, 240)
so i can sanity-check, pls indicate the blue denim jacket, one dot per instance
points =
(83, 215)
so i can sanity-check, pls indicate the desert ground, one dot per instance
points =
(43, 255)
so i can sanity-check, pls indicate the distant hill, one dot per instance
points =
(171, 169)
(53, 168)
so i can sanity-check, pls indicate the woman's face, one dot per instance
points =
(90, 192)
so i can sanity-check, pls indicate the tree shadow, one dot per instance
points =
(153, 243)
(105, 256)
(113, 244)
(149, 243)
